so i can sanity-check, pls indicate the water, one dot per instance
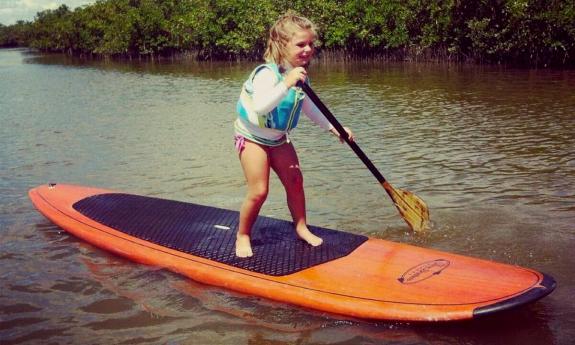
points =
(489, 149)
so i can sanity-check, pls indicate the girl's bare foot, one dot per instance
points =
(306, 235)
(243, 246)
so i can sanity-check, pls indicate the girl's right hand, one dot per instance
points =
(295, 75)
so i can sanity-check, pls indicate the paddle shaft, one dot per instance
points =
(331, 118)
(411, 208)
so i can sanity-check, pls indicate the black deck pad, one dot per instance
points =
(210, 232)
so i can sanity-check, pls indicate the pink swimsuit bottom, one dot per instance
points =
(240, 142)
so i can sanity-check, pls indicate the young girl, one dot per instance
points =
(268, 108)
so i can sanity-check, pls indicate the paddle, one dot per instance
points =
(413, 210)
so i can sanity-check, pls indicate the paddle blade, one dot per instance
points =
(413, 210)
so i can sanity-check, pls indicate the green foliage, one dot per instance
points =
(52, 29)
(226, 29)
(429, 22)
(533, 32)
(14, 35)
(529, 32)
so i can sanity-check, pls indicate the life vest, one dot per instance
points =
(284, 117)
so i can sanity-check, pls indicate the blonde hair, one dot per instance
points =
(282, 32)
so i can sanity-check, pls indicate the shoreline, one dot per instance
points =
(411, 56)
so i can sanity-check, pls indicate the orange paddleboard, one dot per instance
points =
(348, 274)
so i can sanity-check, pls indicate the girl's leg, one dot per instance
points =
(255, 163)
(284, 161)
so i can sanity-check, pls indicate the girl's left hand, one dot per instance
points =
(347, 130)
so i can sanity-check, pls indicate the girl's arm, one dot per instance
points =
(267, 91)
(312, 111)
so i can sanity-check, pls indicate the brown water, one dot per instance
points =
(491, 151)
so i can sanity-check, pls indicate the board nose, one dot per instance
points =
(547, 285)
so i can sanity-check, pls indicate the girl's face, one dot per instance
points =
(300, 49)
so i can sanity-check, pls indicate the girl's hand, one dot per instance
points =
(295, 75)
(347, 130)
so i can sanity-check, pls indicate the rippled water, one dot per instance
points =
(491, 151)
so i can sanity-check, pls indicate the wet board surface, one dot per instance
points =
(349, 274)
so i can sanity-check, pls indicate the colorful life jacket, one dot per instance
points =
(284, 117)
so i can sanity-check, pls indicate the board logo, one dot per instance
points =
(423, 271)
